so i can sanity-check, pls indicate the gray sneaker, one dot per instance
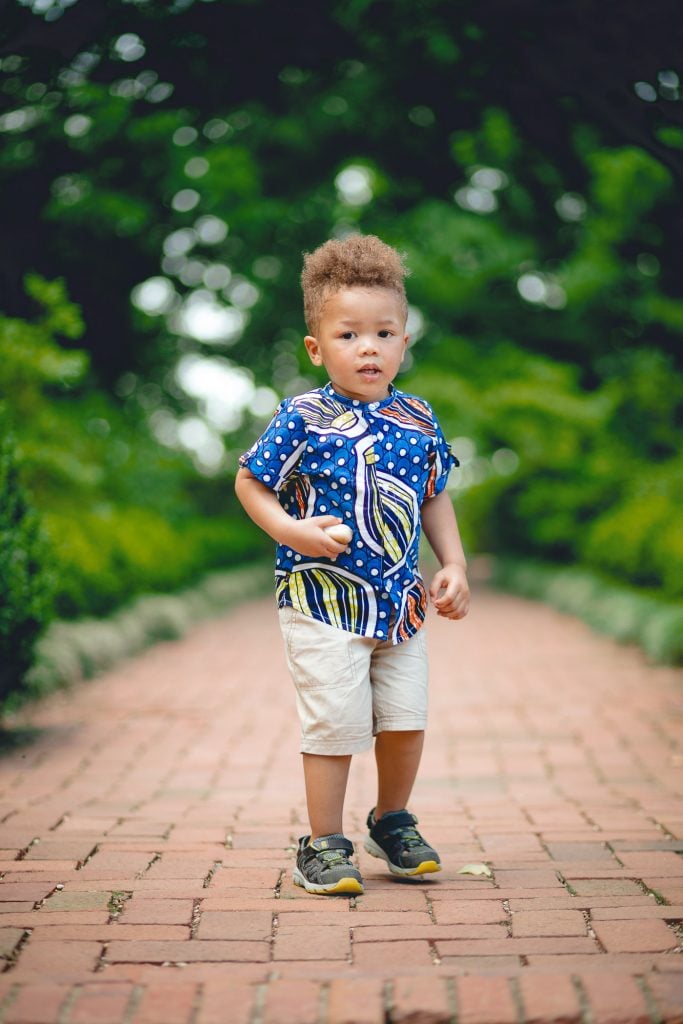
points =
(323, 866)
(395, 839)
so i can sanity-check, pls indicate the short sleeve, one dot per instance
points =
(441, 462)
(274, 456)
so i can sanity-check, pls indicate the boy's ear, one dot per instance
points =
(313, 349)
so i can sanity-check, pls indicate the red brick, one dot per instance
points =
(615, 999)
(634, 936)
(583, 902)
(667, 990)
(36, 918)
(236, 925)
(392, 955)
(431, 932)
(151, 911)
(660, 863)
(653, 911)
(244, 878)
(217, 994)
(37, 1004)
(59, 959)
(472, 912)
(549, 999)
(76, 901)
(289, 1000)
(607, 887)
(395, 899)
(9, 937)
(168, 1003)
(108, 932)
(548, 922)
(482, 966)
(104, 1003)
(538, 878)
(485, 1000)
(355, 1001)
(420, 1000)
(29, 867)
(322, 943)
(517, 947)
(623, 963)
(196, 950)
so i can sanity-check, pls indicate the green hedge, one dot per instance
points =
(26, 582)
(104, 558)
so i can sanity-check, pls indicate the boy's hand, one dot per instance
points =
(450, 592)
(308, 537)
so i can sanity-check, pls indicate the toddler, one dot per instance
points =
(360, 453)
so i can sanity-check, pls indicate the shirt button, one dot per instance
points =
(384, 594)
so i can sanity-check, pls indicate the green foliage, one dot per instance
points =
(103, 558)
(539, 226)
(25, 571)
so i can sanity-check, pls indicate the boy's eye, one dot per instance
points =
(347, 335)
(385, 334)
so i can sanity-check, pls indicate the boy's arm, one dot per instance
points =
(307, 536)
(449, 590)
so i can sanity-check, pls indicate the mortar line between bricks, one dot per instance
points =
(515, 990)
(650, 1001)
(134, 1001)
(584, 1003)
(66, 1007)
(196, 1003)
(323, 1002)
(8, 1000)
(256, 1016)
(388, 1001)
(452, 1000)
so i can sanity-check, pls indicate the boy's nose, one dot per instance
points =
(368, 343)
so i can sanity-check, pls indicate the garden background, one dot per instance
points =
(163, 165)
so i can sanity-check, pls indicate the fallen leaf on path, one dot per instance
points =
(476, 869)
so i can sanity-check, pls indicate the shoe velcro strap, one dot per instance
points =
(393, 822)
(331, 843)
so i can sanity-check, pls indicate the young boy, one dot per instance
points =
(361, 453)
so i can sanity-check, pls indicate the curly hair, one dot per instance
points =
(358, 261)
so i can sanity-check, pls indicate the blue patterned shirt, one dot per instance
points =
(372, 464)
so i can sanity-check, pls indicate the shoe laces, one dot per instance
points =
(332, 857)
(409, 836)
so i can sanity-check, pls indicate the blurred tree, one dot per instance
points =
(524, 155)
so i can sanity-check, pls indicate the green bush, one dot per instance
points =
(27, 583)
(104, 558)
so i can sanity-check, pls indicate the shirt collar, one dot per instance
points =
(355, 403)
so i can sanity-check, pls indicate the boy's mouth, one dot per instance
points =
(370, 371)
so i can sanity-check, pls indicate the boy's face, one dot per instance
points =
(360, 341)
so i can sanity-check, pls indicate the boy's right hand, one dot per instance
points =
(308, 537)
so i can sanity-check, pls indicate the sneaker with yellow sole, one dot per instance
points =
(324, 867)
(395, 840)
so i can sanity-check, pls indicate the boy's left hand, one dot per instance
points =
(450, 592)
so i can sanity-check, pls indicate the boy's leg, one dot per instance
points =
(392, 833)
(326, 777)
(398, 759)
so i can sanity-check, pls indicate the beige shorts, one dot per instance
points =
(349, 687)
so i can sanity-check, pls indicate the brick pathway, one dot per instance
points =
(147, 842)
